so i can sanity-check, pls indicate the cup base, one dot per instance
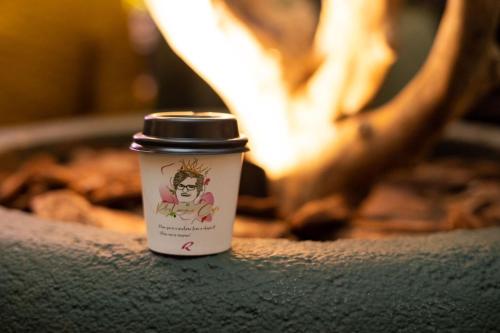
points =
(187, 255)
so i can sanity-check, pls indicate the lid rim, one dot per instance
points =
(141, 138)
(187, 151)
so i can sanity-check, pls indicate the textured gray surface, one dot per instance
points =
(63, 277)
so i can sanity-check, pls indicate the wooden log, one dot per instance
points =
(462, 66)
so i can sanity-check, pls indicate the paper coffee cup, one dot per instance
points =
(190, 171)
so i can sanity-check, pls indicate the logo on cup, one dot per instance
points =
(187, 246)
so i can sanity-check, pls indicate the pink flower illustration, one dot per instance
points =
(208, 198)
(207, 218)
(167, 196)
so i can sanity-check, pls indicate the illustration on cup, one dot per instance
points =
(185, 196)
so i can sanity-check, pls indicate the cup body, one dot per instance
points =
(190, 201)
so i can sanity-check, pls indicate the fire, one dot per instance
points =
(289, 122)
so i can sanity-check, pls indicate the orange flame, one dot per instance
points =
(285, 127)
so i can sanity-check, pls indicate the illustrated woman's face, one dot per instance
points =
(186, 190)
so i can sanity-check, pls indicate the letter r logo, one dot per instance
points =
(187, 246)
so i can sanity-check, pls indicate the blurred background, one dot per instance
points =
(60, 59)
(67, 58)
(67, 65)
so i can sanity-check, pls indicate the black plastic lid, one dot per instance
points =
(189, 132)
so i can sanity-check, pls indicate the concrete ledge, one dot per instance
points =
(64, 277)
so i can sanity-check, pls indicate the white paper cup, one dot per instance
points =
(190, 212)
(190, 181)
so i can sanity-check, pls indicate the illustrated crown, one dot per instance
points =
(194, 166)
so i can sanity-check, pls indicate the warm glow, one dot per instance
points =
(285, 128)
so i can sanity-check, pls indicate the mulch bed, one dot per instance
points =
(102, 188)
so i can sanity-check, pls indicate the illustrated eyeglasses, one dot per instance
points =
(183, 187)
